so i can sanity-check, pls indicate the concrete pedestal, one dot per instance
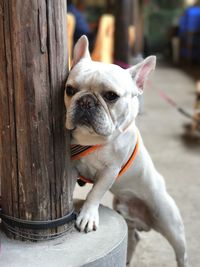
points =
(105, 247)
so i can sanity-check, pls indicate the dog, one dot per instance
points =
(101, 106)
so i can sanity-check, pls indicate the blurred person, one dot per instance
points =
(82, 27)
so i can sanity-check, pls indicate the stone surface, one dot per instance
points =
(105, 247)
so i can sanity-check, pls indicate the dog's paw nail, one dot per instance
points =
(95, 227)
(89, 226)
(88, 219)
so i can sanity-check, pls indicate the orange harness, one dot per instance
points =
(78, 152)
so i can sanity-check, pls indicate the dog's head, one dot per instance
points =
(102, 99)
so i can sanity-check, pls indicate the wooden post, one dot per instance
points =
(121, 44)
(138, 21)
(109, 6)
(34, 147)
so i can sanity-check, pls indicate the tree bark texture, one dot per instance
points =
(122, 19)
(34, 147)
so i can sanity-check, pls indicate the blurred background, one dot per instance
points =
(167, 28)
(123, 33)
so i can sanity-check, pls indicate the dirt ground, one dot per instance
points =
(176, 157)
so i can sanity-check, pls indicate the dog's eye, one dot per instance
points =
(110, 96)
(70, 91)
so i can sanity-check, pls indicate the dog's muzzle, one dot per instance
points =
(89, 112)
(85, 110)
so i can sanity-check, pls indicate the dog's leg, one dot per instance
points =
(169, 223)
(133, 236)
(133, 239)
(88, 218)
(134, 213)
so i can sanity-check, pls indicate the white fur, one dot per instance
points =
(141, 186)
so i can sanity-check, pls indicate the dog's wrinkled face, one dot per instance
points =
(101, 99)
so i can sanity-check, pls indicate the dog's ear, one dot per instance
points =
(141, 71)
(81, 50)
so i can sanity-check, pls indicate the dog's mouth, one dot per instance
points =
(94, 120)
(86, 120)
(83, 118)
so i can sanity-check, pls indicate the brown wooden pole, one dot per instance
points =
(109, 6)
(34, 147)
(138, 21)
(121, 43)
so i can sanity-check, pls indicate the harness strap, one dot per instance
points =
(131, 159)
(85, 150)
(78, 152)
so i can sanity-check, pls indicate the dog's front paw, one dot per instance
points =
(88, 219)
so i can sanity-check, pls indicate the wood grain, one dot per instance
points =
(35, 168)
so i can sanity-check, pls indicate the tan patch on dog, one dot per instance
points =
(135, 211)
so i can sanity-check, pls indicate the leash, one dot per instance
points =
(169, 100)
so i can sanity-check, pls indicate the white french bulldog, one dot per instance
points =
(102, 104)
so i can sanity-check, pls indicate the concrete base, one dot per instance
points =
(102, 248)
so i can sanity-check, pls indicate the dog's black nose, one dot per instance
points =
(87, 102)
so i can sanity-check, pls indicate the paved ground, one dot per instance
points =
(177, 158)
